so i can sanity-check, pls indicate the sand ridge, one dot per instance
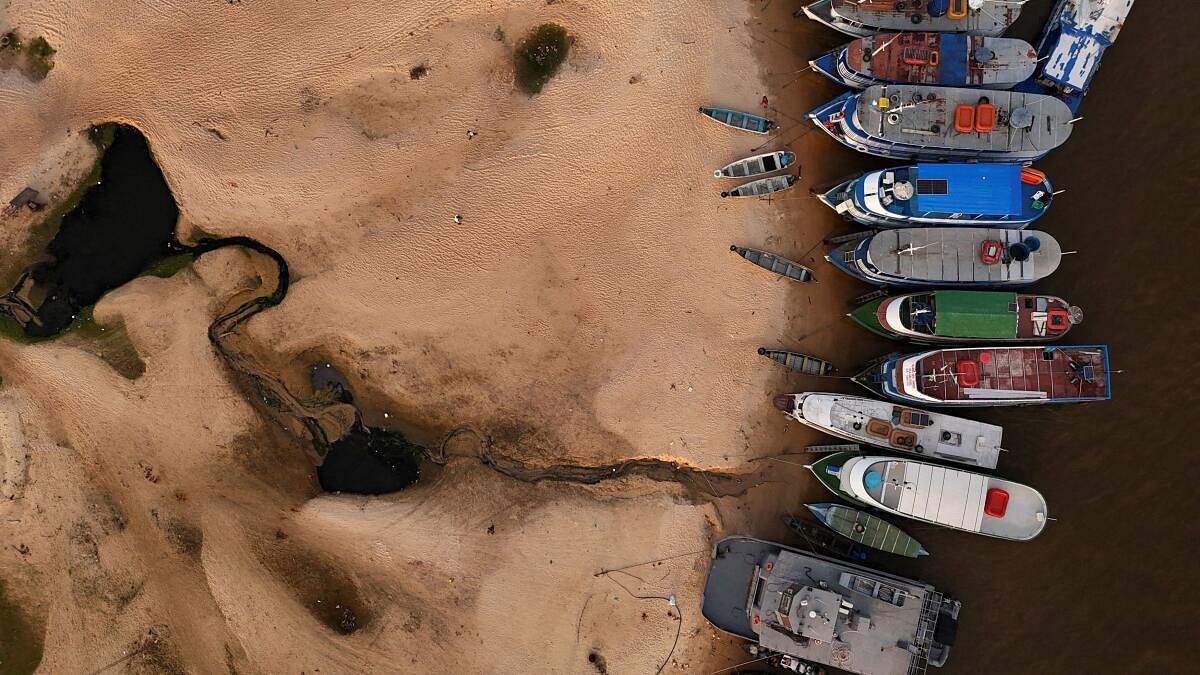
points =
(587, 310)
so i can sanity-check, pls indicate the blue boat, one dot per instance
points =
(930, 123)
(1072, 44)
(739, 120)
(993, 376)
(947, 59)
(949, 257)
(969, 195)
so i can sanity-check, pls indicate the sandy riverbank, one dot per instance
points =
(586, 311)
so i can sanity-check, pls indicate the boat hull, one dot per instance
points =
(994, 21)
(861, 64)
(875, 317)
(820, 469)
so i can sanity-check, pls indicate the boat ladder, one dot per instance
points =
(869, 296)
(930, 608)
(853, 236)
(836, 447)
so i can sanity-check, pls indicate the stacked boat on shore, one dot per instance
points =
(950, 254)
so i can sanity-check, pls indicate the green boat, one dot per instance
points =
(866, 529)
(955, 317)
(825, 469)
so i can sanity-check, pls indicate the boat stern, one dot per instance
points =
(788, 404)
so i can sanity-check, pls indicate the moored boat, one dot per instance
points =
(946, 123)
(797, 607)
(809, 365)
(867, 529)
(1073, 43)
(961, 500)
(864, 17)
(946, 59)
(952, 317)
(944, 195)
(949, 257)
(994, 376)
(762, 186)
(896, 427)
(757, 165)
(776, 264)
(819, 538)
(738, 120)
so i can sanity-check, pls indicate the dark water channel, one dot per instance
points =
(124, 225)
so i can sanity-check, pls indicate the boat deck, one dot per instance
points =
(889, 425)
(951, 59)
(867, 645)
(1054, 373)
(956, 499)
(1029, 124)
(952, 255)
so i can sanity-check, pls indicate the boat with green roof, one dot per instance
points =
(955, 317)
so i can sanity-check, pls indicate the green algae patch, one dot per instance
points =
(539, 55)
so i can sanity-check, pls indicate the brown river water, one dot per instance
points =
(1107, 588)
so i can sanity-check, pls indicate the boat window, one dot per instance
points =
(769, 163)
(917, 314)
(932, 186)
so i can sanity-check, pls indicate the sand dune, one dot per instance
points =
(587, 311)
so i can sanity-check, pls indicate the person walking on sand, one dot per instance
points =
(458, 219)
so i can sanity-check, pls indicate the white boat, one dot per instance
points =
(757, 165)
(940, 495)
(896, 427)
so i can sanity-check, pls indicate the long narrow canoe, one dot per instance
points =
(769, 261)
(762, 186)
(865, 528)
(803, 363)
(757, 165)
(739, 120)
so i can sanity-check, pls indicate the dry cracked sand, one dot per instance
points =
(586, 311)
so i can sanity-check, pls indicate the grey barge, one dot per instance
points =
(800, 608)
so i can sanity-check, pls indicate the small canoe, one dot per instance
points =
(865, 528)
(762, 186)
(799, 362)
(781, 266)
(820, 539)
(757, 165)
(739, 120)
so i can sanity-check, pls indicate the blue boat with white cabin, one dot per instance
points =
(1072, 44)
(864, 17)
(949, 257)
(970, 195)
(947, 59)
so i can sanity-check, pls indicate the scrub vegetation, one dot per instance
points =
(539, 55)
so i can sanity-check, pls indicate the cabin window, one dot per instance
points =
(915, 418)
(933, 186)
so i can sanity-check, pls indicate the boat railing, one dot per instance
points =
(931, 607)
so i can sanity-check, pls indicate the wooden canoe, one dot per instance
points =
(803, 363)
(757, 165)
(867, 529)
(762, 186)
(769, 261)
(738, 120)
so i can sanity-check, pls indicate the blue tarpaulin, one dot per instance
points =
(971, 189)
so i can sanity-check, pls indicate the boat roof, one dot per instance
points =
(990, 19)
(1086, 32)
(940, 436)
(948, 496)
(975, 313)
(952, 254)
(968, 188)
(908, 115)
(753, 578)
(952, 59)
